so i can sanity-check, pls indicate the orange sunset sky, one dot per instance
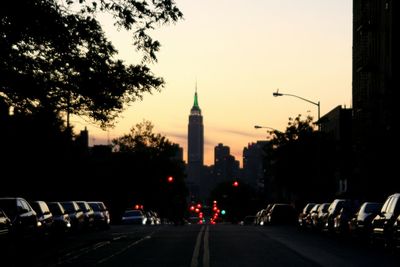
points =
(240, 52)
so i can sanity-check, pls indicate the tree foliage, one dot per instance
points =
(146, 159)
(299, 162)
(54, 55)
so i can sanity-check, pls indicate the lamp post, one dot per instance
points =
(269, 128)
(266, 127)
(302, 98)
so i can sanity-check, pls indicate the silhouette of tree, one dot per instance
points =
(145, 160)
(54, 54)
(299, 163)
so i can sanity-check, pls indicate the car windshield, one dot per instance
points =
(133, 213)
(372, 207)
(69, 207)
(95, 206)
(56, 209)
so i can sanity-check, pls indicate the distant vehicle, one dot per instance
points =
(23, 217)
(134, 217)
(5, 225)
(62, 221)
(75, 213)
(305, 214)
(249, 220)
(281, 214)
(308, 222)
(101, 214)
(319, 218)
(87, 212)
(45, 217)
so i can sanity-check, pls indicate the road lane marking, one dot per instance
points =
(206, 252)
(123, 250)
(195, 261)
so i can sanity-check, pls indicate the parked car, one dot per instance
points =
(334, 209)
(45, 217)
(5, 225)
(341, 221)
(75, 213)
(305, 214)
(23, 217)
(308, 219)
(383, 223)
(88, 213)
(134, 217)
(361, 224)
(396, 232)
(101, 214)
(281, 214)
(249, 220)
(320, 217)
(262, 218)
(62, 221)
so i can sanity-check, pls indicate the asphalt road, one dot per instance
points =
(197, 246)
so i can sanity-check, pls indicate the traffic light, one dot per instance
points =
(170, 179)
(235, 184)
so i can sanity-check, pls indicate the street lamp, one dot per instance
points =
(271, 130)
(302, 98)
(266, 127)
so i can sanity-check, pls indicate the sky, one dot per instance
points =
(239, 52)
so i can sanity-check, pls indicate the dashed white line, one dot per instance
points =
(206, 252)
(196, 251)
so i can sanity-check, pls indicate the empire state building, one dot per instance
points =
(195, 147)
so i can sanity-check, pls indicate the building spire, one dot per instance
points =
(196, 109)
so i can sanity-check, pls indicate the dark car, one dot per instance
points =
(346, 213)
(75, 213)
(334, 210)
(281, 214)
(62, 221)
(319, 218)
(396, 232)
(45, 217)
(305, 214)
(23, 217)
(101, 214)
(361, 224)
(249, 220)
(383, 223)
(5, 225)
(87, 212)
(134, 217)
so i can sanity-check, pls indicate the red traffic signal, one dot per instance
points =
(170, 179)
(235, 184)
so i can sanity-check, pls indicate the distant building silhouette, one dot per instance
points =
(337, 124)
(179, 154)
(195, 148)
(253, 164)
(82, 142)
(226, 167)
(374, 93)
